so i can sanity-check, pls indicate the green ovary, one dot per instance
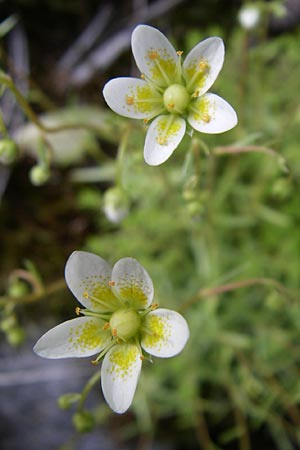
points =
(125, 323)
(176, 98)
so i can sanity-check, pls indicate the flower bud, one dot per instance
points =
(116, 204)
(83, 421)
(15, 336)
(17, 288)
(39, 175)
(8, 151)
(249, 17)
(67, 400)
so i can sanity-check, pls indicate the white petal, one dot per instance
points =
(79, 337)
(132, 283)
(212, 114)
(88, 276)
(163, 137)
(155, 56)
(203, 64)
(168, 334)
(132, 97)
(120, 372)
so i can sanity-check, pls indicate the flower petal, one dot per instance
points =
(88, 277)
(79, 337)
(203, 64)
(132, 283)
(120, 372)
(163, 137)
(166, 333)
(132, 97)
(154, 55)
(212, 114)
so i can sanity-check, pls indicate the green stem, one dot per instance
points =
(87, 388)
(209, 292)
(58, 285)
(120, 157)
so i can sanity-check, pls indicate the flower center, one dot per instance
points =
(176, 98)
(124, 323)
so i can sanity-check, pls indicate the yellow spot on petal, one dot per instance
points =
(123, 361)
(129, 99)
(153, 54)
(158, 331)
(206, 118)
(87, 336)
(203, 65)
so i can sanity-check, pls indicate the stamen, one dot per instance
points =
(206, 118)
(154, 306)
(142, 357)
(196, 93)
(77, 311)
(97, 300)
(146, 121)
(202, 72)
(142, 76)
(162, 140)
(111, 283)
(179, 52)
(153, 54)
(203, 65)
(171, 105)
(106, 326)
(105, 350)
(114, 332)
(129, 99)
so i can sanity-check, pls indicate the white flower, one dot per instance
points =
(249, 16)
(119, 322)
(171, 92)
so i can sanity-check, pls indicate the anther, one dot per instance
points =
(196, 93)
(142, 357)
(142, 76)
(153, 55)
(129, 99)
(77, 311)
(206, 118)
(95, 362)
(106, 326)
(179, 52)
(161, 140)
(86, 294)
(154, 306)
(203, 65)
(114, 332)
(119, 341)
(111, 283)
(171, 105)
(146, 121)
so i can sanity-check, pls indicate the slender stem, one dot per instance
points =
(58, 285)
(120, 157)
(202, 433)
(87, 388)
(209, 292)
(232, 149)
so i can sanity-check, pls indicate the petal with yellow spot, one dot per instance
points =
(165, 333)
(80, 337)
(155, 56)
(211, 114)
(163, 137)
(132, 97)
(120, 372)
(132, 284)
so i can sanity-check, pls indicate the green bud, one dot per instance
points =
(194, 208)
(8, 323)
(176, 98)
(116, 204)
(8, 151)
(17, 288)
(83, 421)
(39, 175)
(67, 400)
(125, 322)
(15, 336)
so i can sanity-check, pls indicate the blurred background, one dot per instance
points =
(217, 226)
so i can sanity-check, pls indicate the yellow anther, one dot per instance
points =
(203, 65)
(111, 283)
(86, 294)
(142, 357)
(161, 140)
(114, 332)
(153, 54)
(142, 76)
(106, 326)
(146, 121)
(154, 306)
(77, 311)
(206, 118)
(196, 93)
(129, 99)
(179, 53)
(171, 105)
(119, 341)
